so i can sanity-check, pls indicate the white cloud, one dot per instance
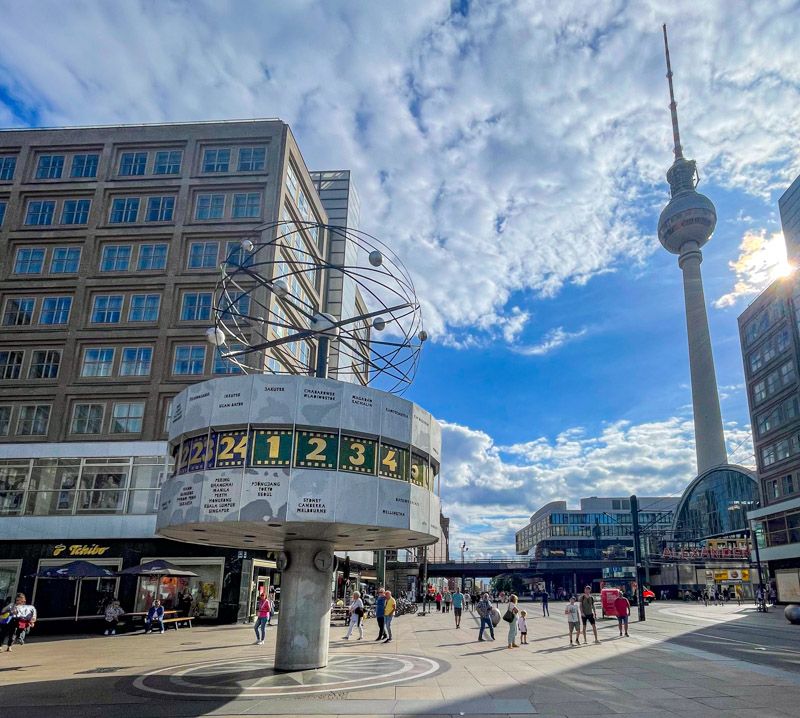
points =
(761, 261)
(490, 491)
(517, 149)
(554, 339)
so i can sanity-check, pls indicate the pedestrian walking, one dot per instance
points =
(21, 619)
(511, 615)
(484, 609)
(356, 609)
(622, 606)
(113, 613)
(572, 612)
(7, 619)
(380, 604)
(438, 600)
(458, 603)
(588, 613)
(263, 610)
(388, 614)
(522, 627)
(545, 604)
(773, 596)
(737, 592)
(447, 597)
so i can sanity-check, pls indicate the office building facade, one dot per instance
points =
(111, 243)
(789, 208)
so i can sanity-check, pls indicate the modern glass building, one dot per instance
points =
(789, 207)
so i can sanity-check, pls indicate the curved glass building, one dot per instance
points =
(715, 504)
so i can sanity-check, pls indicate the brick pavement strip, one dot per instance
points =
(88, 676)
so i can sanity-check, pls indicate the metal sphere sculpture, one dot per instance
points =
(262, 301)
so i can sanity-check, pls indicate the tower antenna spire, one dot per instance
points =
(673, 106)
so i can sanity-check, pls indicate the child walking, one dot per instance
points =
(522, 625)
(572, 612)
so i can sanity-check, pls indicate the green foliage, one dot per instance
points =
(509, 584)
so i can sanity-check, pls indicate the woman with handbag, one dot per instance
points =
(510, 616)
(356, 616)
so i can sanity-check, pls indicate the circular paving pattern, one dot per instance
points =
(256, 678)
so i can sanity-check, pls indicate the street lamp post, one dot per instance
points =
(754, 539)
(464, 549)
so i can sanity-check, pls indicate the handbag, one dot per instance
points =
(5, 618)
(508, 616)
(359, 611)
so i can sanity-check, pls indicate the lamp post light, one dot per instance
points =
(464, 549)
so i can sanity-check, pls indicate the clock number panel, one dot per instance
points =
(357, 455)
(393, 462)
(230, 449)
(271, 447)
(316, 450)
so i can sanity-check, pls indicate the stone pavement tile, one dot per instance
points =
(383, 692)
(277, 706)
(455, 678)
(695, 691)
(575, 709)
(465, 692)
(762, 713)
(722, 702)
(496, 678)
(425, 693)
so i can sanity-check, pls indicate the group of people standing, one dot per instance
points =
(17, 619)
(385, 609)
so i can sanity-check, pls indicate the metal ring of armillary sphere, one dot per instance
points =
(265, 300)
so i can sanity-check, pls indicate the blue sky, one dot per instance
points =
(513, 154)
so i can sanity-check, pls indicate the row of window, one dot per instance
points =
(141, 257)
(34, 419)
(770, 349)
(788, 410)
(139, 163)
(129, 210)
(780, 450)
(761, 323)
(785, 486)
(774, 382)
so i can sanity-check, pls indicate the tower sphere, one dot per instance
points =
(689, 217)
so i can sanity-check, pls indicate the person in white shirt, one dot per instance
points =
(572, 612)
(356, 616)
(23, 619)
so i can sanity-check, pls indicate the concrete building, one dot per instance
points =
(111, 241)
(768, 331)
(789, 207)
(573, 547)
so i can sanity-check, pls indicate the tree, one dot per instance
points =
(509, 584)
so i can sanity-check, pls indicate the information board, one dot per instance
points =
(271, 447)
(316, 450)
(357, 454)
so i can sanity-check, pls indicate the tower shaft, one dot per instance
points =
(708, 432)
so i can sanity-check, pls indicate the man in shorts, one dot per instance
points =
(588, 614)
(573, 613)
(623, 608)
(458, 605)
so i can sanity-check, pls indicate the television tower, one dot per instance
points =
(684, 226)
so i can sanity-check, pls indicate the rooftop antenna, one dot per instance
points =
(673, 106)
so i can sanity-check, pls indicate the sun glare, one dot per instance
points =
(776, 257)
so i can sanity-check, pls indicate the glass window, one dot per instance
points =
(223, 365)
(152, 257)
(115, 258)
(50, 167)
(75, 211)
(102, 489)
(40, 212)
(160, 209)
(29, 260)
(168, 162)
(136, 361)
(196, 306)
(7, 167)
(205, 589)
(33, 420)
(132, 163)
(18, 312)
(55, 310)
(302, 204)
(97, 361)
(235, 305)
(203, 255)
(44, 364)
(107, 309)
(252, 159)
(5, 420)
(236, 256)
(189, 359)
(210, 206)
(2, 212)
(124, 210)
(65, 260)
(216, 160)
(126, 417)
(87, 419)
(291, 182)
(168, 407)
(788, 484)
(84, 165)
(144, 308)
(10, 364)
(247, 204)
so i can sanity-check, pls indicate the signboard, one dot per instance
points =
(316, 450)
(357, 454)
(271, 447)
(230, 448)
(393, 462)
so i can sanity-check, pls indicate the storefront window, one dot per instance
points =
(9, 578)
(55, 598)
(12, 485)
(204, 589)
(102, 489)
